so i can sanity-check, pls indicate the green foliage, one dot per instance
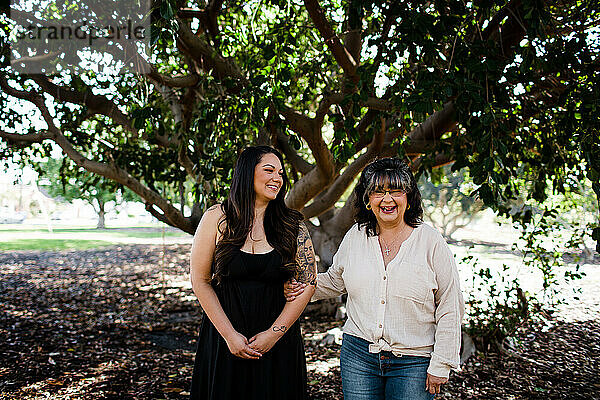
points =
(525, 97)
(543, 250)
(553, 241)
(446, 200)
(497, 306)
(62, 180)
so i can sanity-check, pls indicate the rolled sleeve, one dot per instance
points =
(448, 313)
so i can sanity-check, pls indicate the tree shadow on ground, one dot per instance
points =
(118, 323)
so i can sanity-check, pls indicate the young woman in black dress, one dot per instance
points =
(250, 346)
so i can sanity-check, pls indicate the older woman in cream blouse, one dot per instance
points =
(404, 306)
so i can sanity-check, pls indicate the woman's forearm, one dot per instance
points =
(212, 307)
(292, 311)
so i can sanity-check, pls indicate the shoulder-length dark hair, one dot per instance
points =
(281, 223)
(397, 175)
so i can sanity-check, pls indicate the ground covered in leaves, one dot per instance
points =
(120, 323)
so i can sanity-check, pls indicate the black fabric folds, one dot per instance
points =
(252, 297)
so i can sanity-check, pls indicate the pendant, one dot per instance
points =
(387, 252)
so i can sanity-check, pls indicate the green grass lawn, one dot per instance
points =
(138, 231)
(52, 244)
(37, 237)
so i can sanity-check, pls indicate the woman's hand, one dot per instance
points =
(238, 346)
(264, 341)
(433, 383)
(293, 289)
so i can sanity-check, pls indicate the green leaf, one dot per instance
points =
(269, 52)
(489, 164)
(285, 75)
(166, 11)
(485, 193)
(339, 134)
(336, 118)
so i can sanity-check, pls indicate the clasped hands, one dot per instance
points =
(254, 347)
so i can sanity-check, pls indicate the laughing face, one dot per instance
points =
(388, 204)
(268, 178)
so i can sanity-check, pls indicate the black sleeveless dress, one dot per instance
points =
(252, 297)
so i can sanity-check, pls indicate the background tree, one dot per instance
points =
(495, 87)
(59, 180)
(447, 202)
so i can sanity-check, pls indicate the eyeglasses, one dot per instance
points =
(379, 194)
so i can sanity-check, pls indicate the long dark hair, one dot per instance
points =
(397, 175)
(280, 222)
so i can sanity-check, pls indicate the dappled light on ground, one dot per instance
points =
(121, 322)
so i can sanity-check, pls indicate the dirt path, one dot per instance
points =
(120, 323)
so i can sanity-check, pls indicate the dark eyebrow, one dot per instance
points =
(272, 166)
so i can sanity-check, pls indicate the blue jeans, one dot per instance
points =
(381, 376)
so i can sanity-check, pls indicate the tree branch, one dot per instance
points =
(385, 31)
(110, 171)
(186, 13)
(344, 217)
(353, 35)
(172, 215)
(172, 81)
(436, 125)
(32, 97)
(439, 160)
(364, 123)
(308, 129)
(339, 51)
(207, 56)
(511, 31)
(299, 163)
(95, 103)
(326, 201)
(207, 17)
(373, 103)
(306, 188)
(187, 163)
(161, 217)
(21, 140)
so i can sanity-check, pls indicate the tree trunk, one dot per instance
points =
(101, 214)
(326, 240)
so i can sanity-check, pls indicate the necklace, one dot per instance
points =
(252, 240)
(387, 249)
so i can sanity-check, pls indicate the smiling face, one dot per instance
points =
(388, 204)
(268, 178)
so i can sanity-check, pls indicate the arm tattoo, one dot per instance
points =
(281, 328)
(306, 269)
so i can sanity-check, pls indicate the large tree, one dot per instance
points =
(503, 88)
(60, 181)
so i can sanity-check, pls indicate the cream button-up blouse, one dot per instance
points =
(412, 307)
